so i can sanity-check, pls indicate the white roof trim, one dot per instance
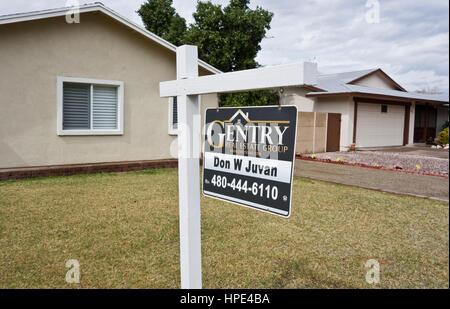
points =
(21, 17)
(362, 90)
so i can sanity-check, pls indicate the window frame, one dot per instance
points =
(92, 82)
(171, 129)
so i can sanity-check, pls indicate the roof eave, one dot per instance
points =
(382, 72)
(314, 88)
(371, 95)
(28, 16)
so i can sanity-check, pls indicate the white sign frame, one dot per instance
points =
(188, 87)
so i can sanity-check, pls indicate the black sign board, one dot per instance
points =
(249, 156)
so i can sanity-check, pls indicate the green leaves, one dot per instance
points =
(229, 38)
(254, 98)
(161, 18)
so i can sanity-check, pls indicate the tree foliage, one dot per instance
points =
(229, 38)
(252, 98)
(161, 18)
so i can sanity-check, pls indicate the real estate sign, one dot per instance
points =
(249, 156)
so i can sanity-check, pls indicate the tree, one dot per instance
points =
(429, 90)
(229, 38)
(161, 18)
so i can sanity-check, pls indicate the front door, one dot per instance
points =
(334, 132)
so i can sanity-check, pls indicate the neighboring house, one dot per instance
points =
(85, 92)
(375, 110)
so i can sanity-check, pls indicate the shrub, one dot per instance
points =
(443, 137)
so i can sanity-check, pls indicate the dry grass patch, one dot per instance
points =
(123, 229)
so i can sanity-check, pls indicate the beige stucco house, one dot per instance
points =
(375, 111)
(87, 92)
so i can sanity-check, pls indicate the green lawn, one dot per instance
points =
(123, 229)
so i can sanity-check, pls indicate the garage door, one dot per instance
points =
(379, 125)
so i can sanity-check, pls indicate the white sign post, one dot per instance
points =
(187, 88)
(188, 173)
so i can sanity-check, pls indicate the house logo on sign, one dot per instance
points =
(241, 135)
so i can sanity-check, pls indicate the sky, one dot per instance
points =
(409, 40)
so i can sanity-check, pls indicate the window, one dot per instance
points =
(384, 108)
(89, 107)
(173, 116)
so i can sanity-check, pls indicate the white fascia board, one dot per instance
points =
(21, 17)
(15, 18)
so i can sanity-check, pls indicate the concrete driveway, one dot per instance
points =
(432, 187)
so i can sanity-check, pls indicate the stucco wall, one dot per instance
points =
(377, 80)
(34, 53)
(345, 107)
(297, 96)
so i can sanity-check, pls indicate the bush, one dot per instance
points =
(443, 137)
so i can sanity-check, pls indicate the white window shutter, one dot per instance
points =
(76, 106)
(104, 108)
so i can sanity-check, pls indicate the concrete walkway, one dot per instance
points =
(388, 181)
